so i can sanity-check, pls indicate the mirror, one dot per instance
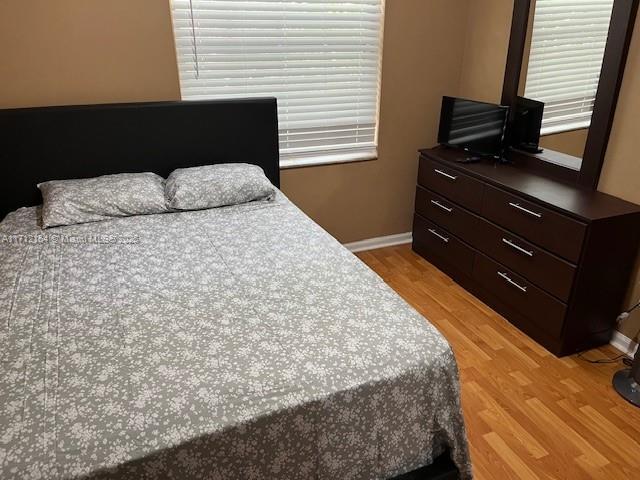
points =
(561, 67)
(569, 54)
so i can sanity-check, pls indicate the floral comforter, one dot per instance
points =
(233, 343)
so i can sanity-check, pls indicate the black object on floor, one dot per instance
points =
(627, 382)
(441, 469)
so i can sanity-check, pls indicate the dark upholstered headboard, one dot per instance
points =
(56, 143)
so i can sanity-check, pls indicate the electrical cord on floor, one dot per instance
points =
(625, 359)
(616, 359)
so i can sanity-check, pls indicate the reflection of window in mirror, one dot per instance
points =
(563, 59)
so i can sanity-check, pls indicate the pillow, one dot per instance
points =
(212, 186)
(69, 202)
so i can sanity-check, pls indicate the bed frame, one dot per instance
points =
(59, 143)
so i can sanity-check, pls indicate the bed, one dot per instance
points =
(236, 342)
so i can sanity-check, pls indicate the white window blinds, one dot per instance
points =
(567, 47)
(320, 58)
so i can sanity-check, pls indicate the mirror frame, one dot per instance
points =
(615, 57)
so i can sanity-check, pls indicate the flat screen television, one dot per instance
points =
(476, 127)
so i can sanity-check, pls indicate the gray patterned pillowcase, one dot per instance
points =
(69, 202)
(212, 186)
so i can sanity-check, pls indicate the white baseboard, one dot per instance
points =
(624, 343)
(379, 242)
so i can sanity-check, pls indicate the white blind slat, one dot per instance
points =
(319, 58)
(567, 48)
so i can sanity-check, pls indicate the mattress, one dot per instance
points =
(234, 343)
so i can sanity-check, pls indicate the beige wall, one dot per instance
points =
(571, 143)
(86, 51)
(621, 172)
(486, 44)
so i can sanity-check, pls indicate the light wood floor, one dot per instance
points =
(528, 414)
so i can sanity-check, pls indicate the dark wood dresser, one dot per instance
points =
(553, 258)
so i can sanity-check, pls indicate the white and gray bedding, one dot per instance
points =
(68, 202)
(233, 343)
(209, 186)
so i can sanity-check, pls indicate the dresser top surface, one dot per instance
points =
(585, 204)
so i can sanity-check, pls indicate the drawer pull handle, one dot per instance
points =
(529, 253)
(439, 205)
(511, 282)
(525, 210)
(445, 174)
(441, 237)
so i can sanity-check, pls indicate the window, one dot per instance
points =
(320, 58)
(567, 47)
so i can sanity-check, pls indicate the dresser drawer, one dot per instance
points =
(440, 243)
(549, 272)
(553, 231)
(447, 215)
(540, 308)
(451, 184)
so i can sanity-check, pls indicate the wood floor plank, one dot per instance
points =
(519, 467)
(504, 423)
(528, 414)
(557, 424)
(629, 415)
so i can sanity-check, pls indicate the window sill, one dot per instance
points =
(560, 159)
(330, 159)
(555, 130)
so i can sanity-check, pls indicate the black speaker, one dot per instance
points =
(526, 125)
